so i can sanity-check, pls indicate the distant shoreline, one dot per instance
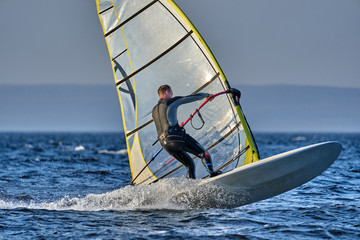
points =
(96, 108)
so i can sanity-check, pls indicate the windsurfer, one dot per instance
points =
(173, 137)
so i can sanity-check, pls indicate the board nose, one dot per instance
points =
(336, 148)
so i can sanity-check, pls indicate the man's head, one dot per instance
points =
(165, 91)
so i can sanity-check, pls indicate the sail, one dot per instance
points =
(152, 43)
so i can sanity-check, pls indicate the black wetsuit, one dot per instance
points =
(174, 139)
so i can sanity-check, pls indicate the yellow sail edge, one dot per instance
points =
(135, 150)
(114, 74)
(136, 142)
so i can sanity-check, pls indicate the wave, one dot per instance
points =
(173, 193)
(111, 152)
(79, 148)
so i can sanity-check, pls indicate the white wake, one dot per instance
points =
(176, 193)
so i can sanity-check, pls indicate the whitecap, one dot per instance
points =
(118, 152)
(79, 148)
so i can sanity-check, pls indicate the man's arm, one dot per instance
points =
(172, 108)
(189, 98)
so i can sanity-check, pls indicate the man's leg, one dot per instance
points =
(173, 145)
(192, 146)
(185, 159)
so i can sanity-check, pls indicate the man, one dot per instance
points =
(173, 137)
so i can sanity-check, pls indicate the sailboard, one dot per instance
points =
(151, 43)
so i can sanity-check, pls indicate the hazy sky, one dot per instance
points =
(308, 42)
(256, 42)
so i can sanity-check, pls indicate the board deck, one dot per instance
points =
(276, 174)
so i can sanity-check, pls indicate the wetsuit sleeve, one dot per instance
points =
(188, 99)
(172, 109)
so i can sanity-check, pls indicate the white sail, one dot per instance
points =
(152, 43)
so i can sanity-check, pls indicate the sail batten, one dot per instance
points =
(130, 18)
(155, 59)
(139, 128)
(105, 10)
(119, 54)
(152, 43)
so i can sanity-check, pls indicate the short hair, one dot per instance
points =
(163, 88)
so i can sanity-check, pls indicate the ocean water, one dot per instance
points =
(75, 186)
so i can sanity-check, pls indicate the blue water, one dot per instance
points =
(75, 186)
